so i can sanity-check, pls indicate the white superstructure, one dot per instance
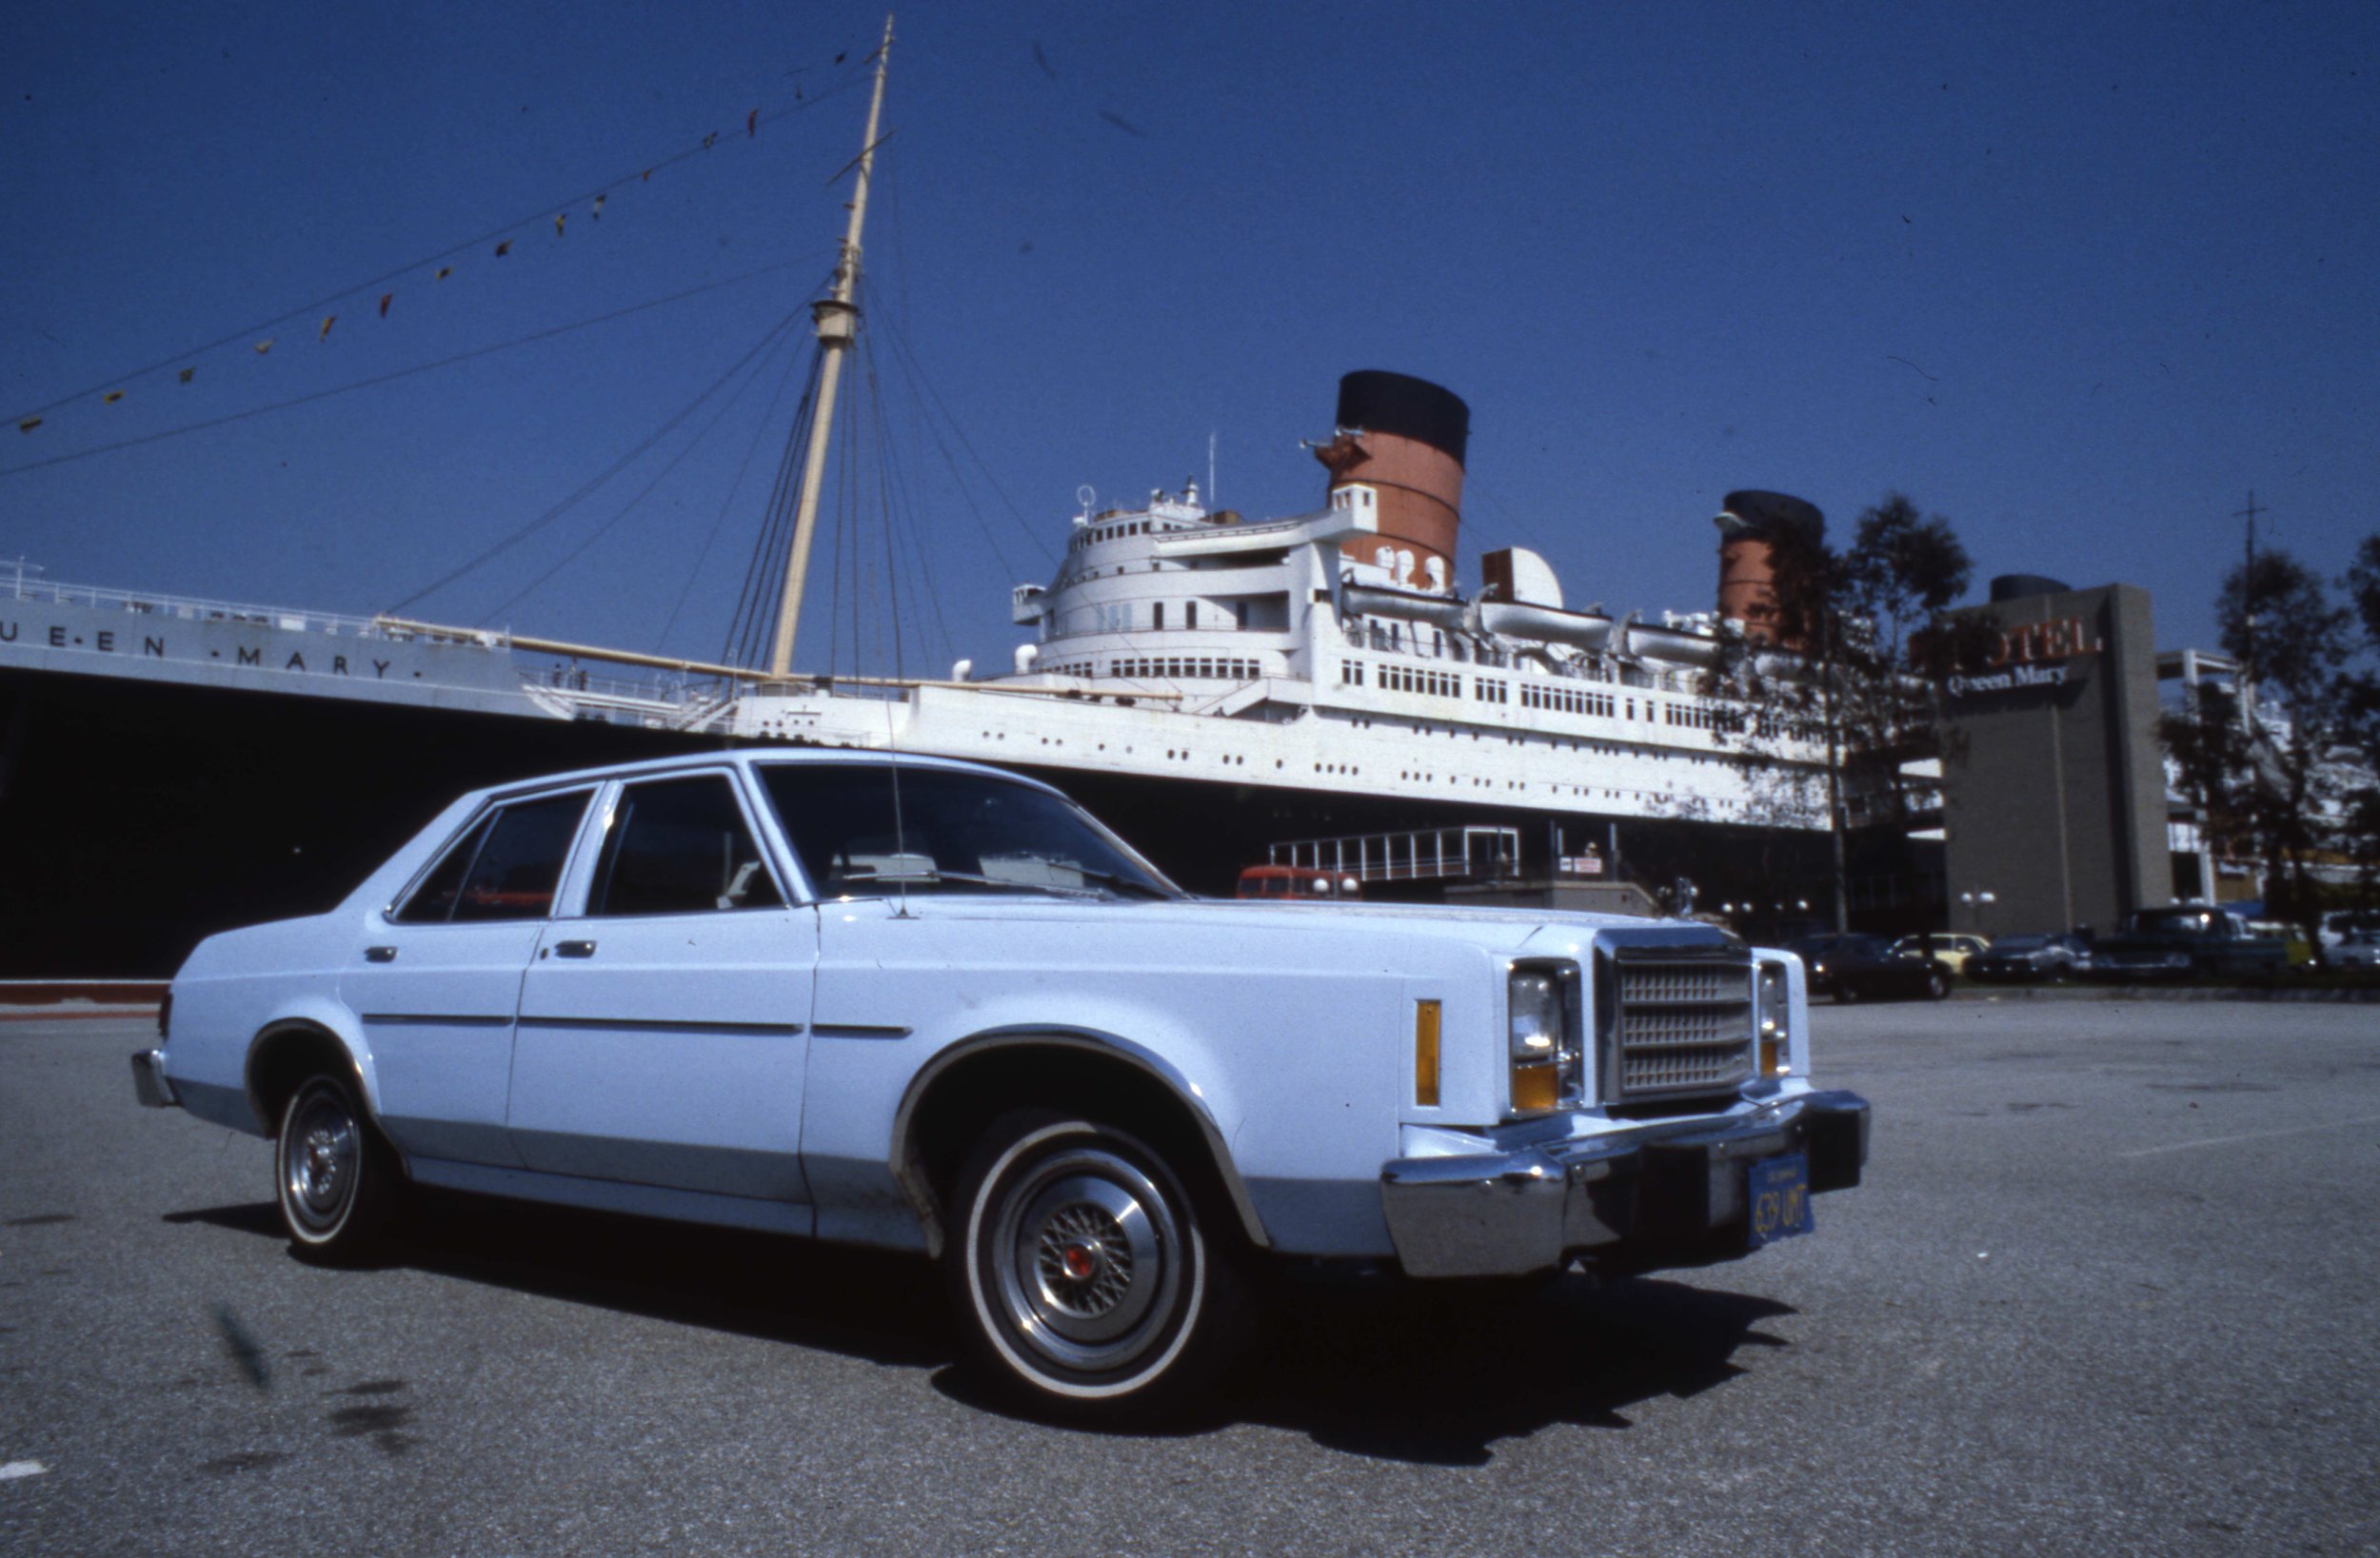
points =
(1182, 643)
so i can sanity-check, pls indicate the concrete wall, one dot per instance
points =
(2054, 792)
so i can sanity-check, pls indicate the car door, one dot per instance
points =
(436, 980)
(664, 1030)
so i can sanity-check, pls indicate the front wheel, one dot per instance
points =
(1082, 1272)
(337, 1181)
(1938, 985)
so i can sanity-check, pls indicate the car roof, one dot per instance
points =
(748, 756)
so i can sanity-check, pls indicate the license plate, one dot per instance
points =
(1778, 1192)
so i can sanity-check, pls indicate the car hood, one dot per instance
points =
(1541, 931)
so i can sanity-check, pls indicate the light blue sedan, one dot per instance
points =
(935, 1007)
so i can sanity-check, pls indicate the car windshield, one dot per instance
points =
(1840, 946)
(858, 834)
(2177, 922)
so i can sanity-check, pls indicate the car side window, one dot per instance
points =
(505, 868)
(432, 903)
(519, 864)
(680, 846)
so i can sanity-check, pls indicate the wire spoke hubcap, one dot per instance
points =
(1087, 1258)
(319, 1160)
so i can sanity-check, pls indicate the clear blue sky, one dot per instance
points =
(2078, 277)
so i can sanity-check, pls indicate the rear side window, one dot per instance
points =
(433, 901)
(505, 868)
(680, 846)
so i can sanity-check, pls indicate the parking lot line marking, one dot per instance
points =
(2252, 1135)
(21, 1468)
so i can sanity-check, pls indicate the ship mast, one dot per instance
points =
(836, 318)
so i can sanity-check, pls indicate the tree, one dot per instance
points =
(2207, 739)
(2293, 648)
(2360, 721)
(1877, 640)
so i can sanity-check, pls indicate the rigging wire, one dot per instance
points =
(566, 504)
(400, 373)
(903, 521)
(801, 104)
(767, 340)
(1473, 489)
(749, 627)
(834, 595)
(768, 419)
(892, 566)
(917, 373)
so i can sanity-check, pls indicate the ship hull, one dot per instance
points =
(138, 816)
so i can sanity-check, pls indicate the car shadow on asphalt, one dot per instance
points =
(1439, 1374)
(865, 1303)
(1433, 1374)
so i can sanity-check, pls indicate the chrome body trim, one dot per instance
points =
(636, 1025)
(150, 1084)
(267, 1125)
(1636, 1190)
(909, 1171)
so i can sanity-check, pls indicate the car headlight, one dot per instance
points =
(1773, 1006)
(1546, 1063)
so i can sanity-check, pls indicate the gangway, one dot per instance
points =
(1423, 855)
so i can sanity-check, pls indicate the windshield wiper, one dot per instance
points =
(969, 878)
(1119, 882)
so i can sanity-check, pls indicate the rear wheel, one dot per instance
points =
(337, 1180)
(1938, 984)
(1084, 1274)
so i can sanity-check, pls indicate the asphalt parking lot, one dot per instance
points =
(2109, 1289)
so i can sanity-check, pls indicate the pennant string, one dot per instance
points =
(850, 81)
(384, 377)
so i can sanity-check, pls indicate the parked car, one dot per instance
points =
(2186, 941)
(1297, 884)
(2338, 924)
(2031, 957)
(2357, 949)
(1853, 967)
(933, 1007)
(1953, 950)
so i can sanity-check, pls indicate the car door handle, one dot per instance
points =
(575, 949)
(380, 954)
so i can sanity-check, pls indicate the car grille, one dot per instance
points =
(1679, 1021)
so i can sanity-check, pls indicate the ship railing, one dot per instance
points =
(1422, 854)
(20, 585)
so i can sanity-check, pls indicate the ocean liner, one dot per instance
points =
(1218, 688)
(1223, 690)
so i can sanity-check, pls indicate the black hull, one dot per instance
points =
(136, 818)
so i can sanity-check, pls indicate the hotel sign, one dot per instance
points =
(2029, 656)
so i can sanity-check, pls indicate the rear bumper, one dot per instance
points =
(1631, 1196)
(149, 1083)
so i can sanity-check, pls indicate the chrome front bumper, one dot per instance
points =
(1668, 1185)
(149, 1083)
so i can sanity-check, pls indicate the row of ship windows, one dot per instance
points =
(1586, 792)
(1177, 668)
(1109, 532)
(1551, 743)
(1401, 679)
